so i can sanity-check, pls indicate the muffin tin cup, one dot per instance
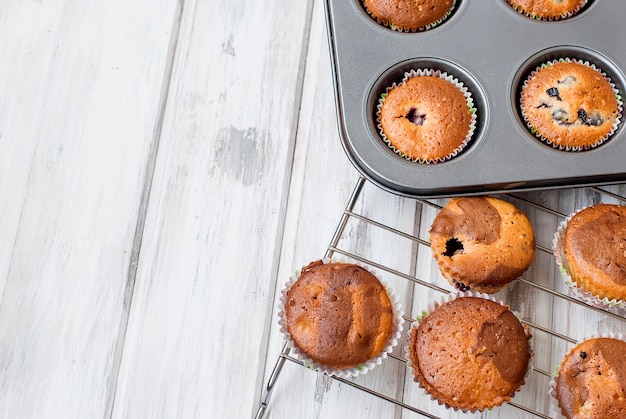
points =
(546, 140)
(576, 291)
(555, 409)
(431, 307)
(359, 369)
(430, 73)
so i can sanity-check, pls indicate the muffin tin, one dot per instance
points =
(491, 48)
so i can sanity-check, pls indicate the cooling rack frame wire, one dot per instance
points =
(334, 250)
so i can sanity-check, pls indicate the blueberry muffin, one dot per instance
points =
(409, 15)
(548, 9)
(481, 243)
(570, 105)
(469, 353)
(338, 314)
(591, 382)
(427, 118)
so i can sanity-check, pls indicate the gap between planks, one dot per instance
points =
(143, 209)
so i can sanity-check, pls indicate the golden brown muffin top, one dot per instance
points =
(570, 105)
(594, 243)
(548, 9)
(338, 314)
(482, 243)
(408, 15)
(470, 353)
(426, 118)
(591, 382)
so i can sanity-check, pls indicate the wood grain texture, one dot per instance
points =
(72, 172)
(321, 184)
(164, 168)
(196, 338)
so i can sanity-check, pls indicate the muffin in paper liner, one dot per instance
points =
(430, 73)
(388, 24)
(531, 15)
(550, 142)
(577, 291)
(363, 368)
(555, 408)
(434, 305)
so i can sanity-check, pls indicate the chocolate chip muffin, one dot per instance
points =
(548, 9)
(338, 314)
(591, 382)
(470, 353)
(570, 105)
(428, 118)
(482, 243)
(409, 15)
(594, 247)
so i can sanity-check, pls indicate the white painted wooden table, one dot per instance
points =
(164, 166)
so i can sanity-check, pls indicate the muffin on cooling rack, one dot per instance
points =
(570, 105)
(469, 352)
(339, 318)
(548, 9)
(590, 250)
(591, 381)
(481, 243)
(409, 15)
(428, 118)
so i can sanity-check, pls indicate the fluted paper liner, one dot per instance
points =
(391, 26)
(431, 307)
(576, 290)
(443, 75)
(363, 368)
(567, 15)
(570, 148)
(555, 409)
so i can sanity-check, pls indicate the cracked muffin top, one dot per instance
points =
(481, 244)
(338, 314)
(591, 382)
(470, 353)
(570, 105)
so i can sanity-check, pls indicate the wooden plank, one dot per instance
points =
(196, 338)
(322, 182)
(81, 99)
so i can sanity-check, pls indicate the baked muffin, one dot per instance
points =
(409, 15)
(481, 243)
(469, 353)
(594, 249)
(548, 9)
(591, 382)
(338, 314)
(570, 105)
(428, 118)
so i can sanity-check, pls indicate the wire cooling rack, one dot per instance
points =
(540, 298)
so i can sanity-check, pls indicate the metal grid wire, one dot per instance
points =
(555, 337)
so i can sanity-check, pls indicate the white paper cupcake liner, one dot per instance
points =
(576, 291)
(431, 307)
(427, 27)
(549, 142)
(530, 15)
(445, 76)
(394, 336)
(555, 409)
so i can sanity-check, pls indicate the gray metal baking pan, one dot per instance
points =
(491, 48)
